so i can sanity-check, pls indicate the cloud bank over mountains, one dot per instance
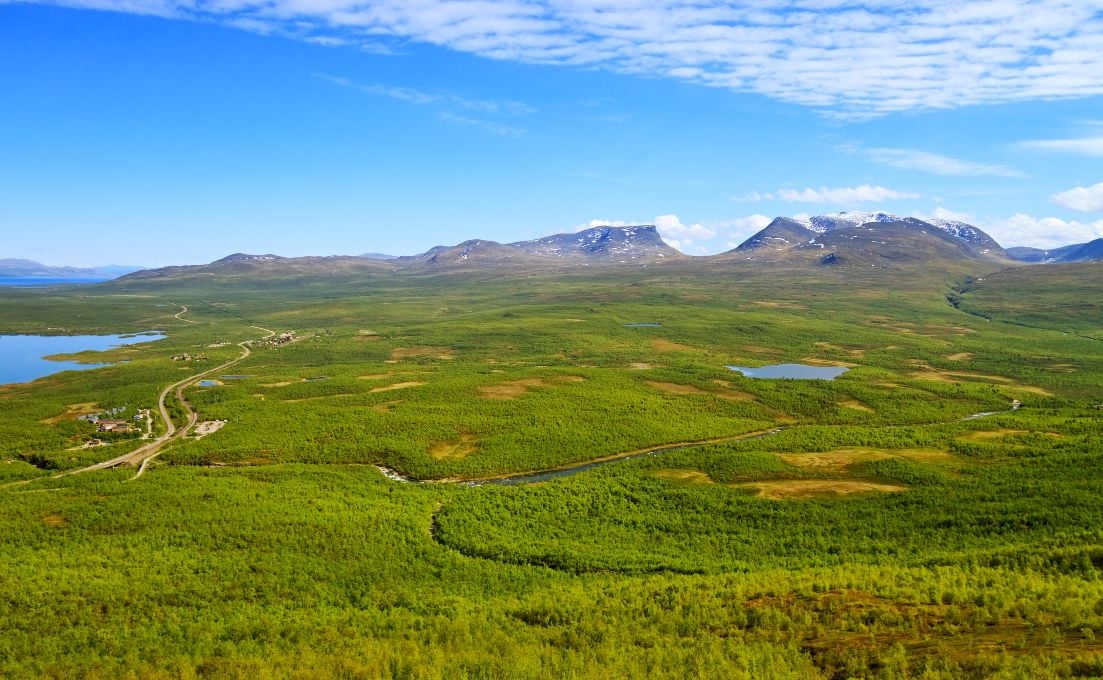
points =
(851, 59)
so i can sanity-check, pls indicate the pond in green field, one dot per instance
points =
(791, 371)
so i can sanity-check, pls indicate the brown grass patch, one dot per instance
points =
(511, 389)
(684, 476)
(661, 345)
(400, 353)
(832, 460)
(376, 376)
(675, 388)
(640, 366)
(852, 351)
(841, 459)
(855, 405)
(798, 489)
(759, 349)
(989, 435)
(396, 386)
(571, 379)
(385, 407)
(961, 356)
(284, 383)
(324, 396)
(827, 362)
(462, 447)
(1029, 389)
(55, 520)
(72, 411)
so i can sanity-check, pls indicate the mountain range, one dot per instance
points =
(843, 239)
(29, 269)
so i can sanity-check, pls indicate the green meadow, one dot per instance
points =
(933, 512)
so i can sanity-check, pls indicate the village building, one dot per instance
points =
(113, 426)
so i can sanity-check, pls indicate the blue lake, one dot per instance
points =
(791, 371)
(209, 383)
(32, 281)
(22, 356)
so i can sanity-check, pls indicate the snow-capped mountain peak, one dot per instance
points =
(848, 219)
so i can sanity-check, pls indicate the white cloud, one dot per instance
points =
(941, 213)
(670, 226)
(1085, 146)
(1082, 199)
(913, 159)
(844, 195)
(855, 59)
(740, 228)
(1046, 232)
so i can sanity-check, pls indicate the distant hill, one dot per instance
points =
(639, 243)
(14, 268)
(1089, 252)
(475, 251)
(780, 235)
(846, 239)
(1079, 252)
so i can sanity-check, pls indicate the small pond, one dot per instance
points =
(208, 383)
(791, 371)
(22, 357)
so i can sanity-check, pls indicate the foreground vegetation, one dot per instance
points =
(879, 530)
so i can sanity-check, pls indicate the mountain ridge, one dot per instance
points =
(22, 268)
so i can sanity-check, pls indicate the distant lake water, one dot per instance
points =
(793, 371)
(21, 356)
(34, 281)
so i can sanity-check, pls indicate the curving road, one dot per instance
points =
(142, 455)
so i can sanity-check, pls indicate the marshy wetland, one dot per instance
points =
(598, 499)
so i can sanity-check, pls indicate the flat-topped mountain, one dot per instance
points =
(875, 239)
(608, 245)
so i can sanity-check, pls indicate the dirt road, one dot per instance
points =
(142, 455)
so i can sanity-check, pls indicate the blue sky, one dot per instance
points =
(177, 131)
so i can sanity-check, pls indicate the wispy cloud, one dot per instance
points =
(832, 195)
(852, 59)
(1084, 146)
(489, 126)
(424, 97)
(925, 161)
(1082, 199)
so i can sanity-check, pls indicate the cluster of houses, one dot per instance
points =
(188, 357)
(105, 422)
(280, 339)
